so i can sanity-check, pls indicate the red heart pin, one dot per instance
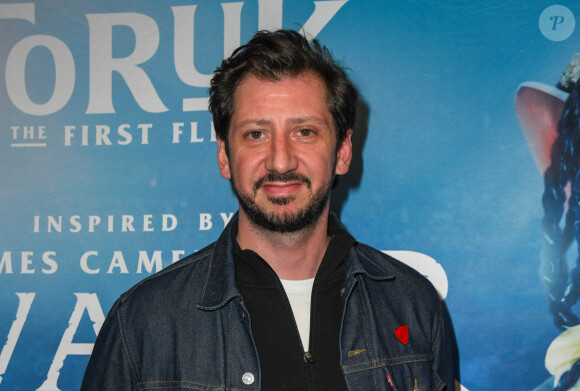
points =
(402, 334)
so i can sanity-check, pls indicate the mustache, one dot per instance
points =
(286, 177)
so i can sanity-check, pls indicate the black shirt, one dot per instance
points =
(283, 362)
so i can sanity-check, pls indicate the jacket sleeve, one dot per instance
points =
(111, 367)
(444, 360)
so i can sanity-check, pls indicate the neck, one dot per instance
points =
(292, 256)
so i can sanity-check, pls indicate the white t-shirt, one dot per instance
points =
(299, 293)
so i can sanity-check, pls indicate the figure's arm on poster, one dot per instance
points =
(539, 108)
(110, 366)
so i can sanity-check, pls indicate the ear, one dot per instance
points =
(223, 160)
(344, 154)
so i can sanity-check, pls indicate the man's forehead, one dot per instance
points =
(308, 74)
(311, 78)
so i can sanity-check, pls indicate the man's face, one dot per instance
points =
(282, 151)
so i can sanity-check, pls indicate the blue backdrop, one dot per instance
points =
(108, 168)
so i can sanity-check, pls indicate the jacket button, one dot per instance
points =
(241, 315)
(248, 378)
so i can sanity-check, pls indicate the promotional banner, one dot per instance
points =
(460, 169)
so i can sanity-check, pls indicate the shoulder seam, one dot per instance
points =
(194, 257)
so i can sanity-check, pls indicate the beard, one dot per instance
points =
(286, 222)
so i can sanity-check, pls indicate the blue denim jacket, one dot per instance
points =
(186, 328)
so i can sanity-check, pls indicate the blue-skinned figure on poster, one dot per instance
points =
(550, 118)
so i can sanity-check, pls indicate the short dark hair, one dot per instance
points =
(274, 55)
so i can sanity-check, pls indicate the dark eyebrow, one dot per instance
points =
(312, 118)
(253, 121)
(291, 121)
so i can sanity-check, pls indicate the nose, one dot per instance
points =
(282, 155)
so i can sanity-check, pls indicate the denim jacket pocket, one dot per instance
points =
(405, 373)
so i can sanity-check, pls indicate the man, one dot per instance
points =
(285, 299)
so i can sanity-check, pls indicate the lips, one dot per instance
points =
(281, 189)
(281, 185)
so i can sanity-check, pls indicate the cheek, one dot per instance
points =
(244, 173)
(319, 167)
(251, 163)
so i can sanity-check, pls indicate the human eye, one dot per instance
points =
(255, 135)
(305, 132)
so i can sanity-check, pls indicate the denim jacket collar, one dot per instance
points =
(220, 283)
(358, 263)
(220, 286)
